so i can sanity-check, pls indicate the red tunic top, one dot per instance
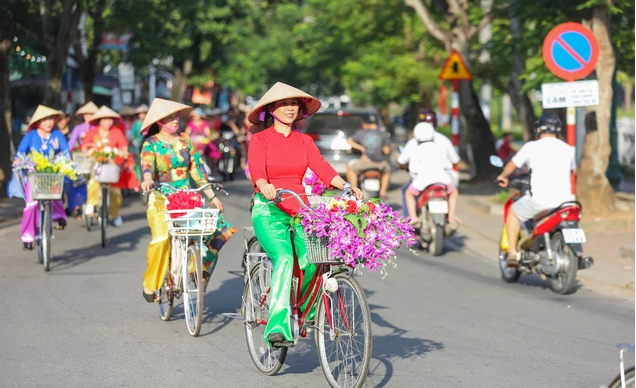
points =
(283, 161)
(116, 139)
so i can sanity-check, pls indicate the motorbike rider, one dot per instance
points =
(428, 164)
(375, 148)
(410, 150)
(552, 166)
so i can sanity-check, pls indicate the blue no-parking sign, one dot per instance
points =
(570, 51)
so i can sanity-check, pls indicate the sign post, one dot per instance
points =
(455, 70)
(570, 51)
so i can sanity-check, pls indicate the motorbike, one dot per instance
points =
(432, 208)
(369, 182)
(229, 160)
(550, 245)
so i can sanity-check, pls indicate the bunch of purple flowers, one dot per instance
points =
(359, 232)
(311, 180)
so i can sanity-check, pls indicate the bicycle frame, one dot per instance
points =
(314, 289)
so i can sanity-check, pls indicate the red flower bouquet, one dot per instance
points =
(183, 200)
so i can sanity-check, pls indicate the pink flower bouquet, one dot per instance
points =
(359, 232)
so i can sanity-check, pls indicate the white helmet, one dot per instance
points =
(423, 132)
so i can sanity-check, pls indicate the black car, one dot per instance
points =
(330, 130)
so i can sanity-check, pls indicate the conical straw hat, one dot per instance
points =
(160, 109)
(104, 113)
(127, 111)
(281, 91)
(143, 108)
(88, 109)
(43, 112)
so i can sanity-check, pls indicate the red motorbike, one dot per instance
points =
(550, 245)
(432, 208)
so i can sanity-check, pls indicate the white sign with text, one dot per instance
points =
(567, 94)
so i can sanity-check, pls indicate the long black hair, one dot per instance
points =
(153, 130)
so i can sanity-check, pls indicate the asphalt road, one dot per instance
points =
(438, 322)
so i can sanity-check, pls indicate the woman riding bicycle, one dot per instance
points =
(166, 157)
(278, 159)
(41, 137)
(105, 134)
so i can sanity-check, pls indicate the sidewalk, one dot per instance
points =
(482, 222)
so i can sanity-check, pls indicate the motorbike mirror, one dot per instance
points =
(496, 161)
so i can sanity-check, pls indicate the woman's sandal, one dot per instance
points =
(277, 340)
(61, 225)
(150, 298)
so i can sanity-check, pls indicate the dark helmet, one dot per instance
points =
(548, 122)
(428, 116)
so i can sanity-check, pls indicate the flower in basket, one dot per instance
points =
(183, 200)
(105, 154)
(365, 232)
(50, 164)
(315, 185)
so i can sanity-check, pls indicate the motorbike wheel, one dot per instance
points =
(508, 275)
(565, 281)
(436, 246)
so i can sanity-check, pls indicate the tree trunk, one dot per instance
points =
(5, 121)
(629, 87)
(522, 103)
(523, 106)
(54, 74)
(479, 135)
(180, 82)
(593, 188)
(87, 78)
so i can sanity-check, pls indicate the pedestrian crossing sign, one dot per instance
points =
(455, 69)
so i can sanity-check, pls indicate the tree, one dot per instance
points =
(593, 187)
(55, 32)
(6, 37)
(97, 14)
(459, 34)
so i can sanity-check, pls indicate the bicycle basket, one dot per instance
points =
(83, 163)
(46, 186)
(107, 172)
(318, 250)
(195, 222)
(315, 200)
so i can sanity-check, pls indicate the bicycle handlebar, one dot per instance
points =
(215, 186)
(278, 198)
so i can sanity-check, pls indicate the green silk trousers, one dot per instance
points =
(272, 229)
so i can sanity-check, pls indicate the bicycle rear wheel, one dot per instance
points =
(193, 291)
(46, 233)
(166, 299)
(104, 214)
(268, 360)
(344, 334)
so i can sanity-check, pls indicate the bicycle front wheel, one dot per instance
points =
(268, 360)
(46, 233)
(193, 291)
(343, 334)
(104, 214)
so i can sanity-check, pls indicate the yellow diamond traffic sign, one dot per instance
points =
(455, 69)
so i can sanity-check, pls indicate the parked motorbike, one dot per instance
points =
(550, 245)
(369, 182)
(229, 160)
(432, 208)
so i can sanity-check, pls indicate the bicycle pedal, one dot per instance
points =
(283, 344)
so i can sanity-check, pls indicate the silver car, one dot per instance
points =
(330, 130)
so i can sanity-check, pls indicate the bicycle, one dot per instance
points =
(626, 378)
(338, 297)
(185, 274)
(104, 174)
(44, 188)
